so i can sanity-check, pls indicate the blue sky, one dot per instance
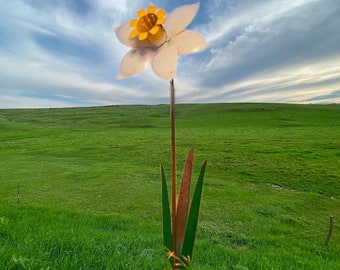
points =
(62, 53)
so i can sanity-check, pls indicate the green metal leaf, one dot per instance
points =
(167, 239)
(183, 202)
(191, 229)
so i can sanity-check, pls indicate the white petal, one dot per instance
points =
(135, 61)
(164, 63)
(123, 35)
(189, 41)
(179, 19)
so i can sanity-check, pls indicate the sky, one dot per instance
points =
(64, 53)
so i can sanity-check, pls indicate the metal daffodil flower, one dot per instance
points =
(157, 40)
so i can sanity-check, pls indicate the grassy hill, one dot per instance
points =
(90, 185)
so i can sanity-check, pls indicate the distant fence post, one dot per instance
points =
(330, 229)
(18, 193)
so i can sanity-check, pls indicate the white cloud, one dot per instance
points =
(298, 83)
(281, 51)
(251, 29)
(264, 41)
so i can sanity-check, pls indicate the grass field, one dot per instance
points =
(90, 190)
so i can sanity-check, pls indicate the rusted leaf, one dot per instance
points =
(183, 202)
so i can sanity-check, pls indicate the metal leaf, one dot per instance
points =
(191, 228)
(183, 202)
(167, 239)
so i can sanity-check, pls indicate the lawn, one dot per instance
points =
(90, 190)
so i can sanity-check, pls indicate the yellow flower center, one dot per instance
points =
(148, 25)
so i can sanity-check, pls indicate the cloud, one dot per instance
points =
(279, 34)
(65, 52)
(271, 37)
(48, 49)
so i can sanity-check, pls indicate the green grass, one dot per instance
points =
(91, 191)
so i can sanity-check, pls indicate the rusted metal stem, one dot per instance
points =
(173, 165)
